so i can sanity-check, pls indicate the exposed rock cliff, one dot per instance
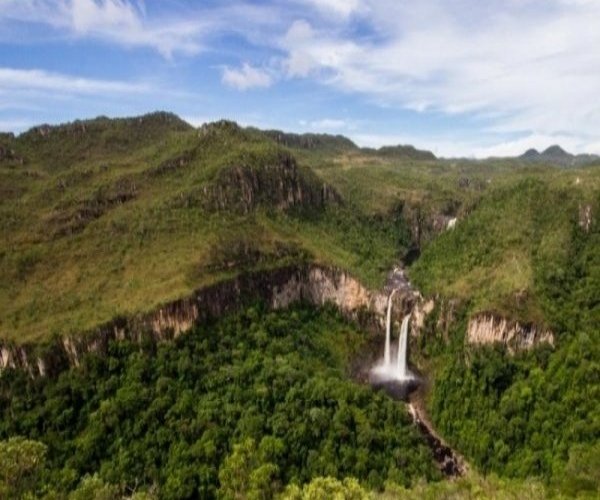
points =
(280, 184)
(482, 329)
(488, 329)
(277, 288)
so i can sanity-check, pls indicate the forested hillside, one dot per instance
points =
(106, 220)
(528, 251)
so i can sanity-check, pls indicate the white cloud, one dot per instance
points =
(246, 77)
(35, 94)
(529, 67)
(40, 80)
(15, 125)
(343, 8)
(327, 124)
(116, 21)
(122, 22)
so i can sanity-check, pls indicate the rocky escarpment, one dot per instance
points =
(277, 288)
(279, 183)
(482, 329)
(489, 329)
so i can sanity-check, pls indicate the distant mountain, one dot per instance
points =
(340, 143)
(401, 151)
(558, 156)
(405, 151)
(311, 141)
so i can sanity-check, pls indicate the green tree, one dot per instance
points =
(94, 488)
(243, 476)
(21, 461)
(327, 488)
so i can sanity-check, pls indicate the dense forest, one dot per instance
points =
(250, 403)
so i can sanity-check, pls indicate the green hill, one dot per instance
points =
(112, 217)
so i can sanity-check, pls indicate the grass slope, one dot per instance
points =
(107, 217)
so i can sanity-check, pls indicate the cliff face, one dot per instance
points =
(482, 329)
(489, 329)
(277, 288)
(279, 184)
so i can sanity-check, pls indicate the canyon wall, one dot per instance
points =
(482, 328)
(489, 329)
(277, 288)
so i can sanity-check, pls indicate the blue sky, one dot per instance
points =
(458, 77)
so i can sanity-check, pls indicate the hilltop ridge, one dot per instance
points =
(556, 155)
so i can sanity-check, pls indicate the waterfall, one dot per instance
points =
(387, 370)
(402, 370)
(387, 360)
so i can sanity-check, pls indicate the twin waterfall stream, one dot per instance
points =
(390, 369)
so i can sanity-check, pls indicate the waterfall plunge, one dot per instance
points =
(401, 368)
(387, 357)
(388, 370)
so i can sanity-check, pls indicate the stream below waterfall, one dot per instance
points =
(393, 375)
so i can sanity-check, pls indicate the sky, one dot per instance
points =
(458, 77)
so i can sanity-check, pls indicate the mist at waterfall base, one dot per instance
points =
(392, 373)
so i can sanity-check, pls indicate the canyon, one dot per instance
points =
(278, 288)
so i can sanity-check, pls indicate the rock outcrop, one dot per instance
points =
(277, 288)
(420, 312)
(279, 183)
(489, 329)
(74, 217)
(482, 328)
